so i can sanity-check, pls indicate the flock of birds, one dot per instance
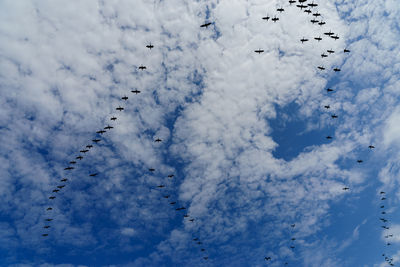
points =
(308, 8)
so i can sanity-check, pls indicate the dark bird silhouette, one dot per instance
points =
(329, 90)
(266, 18)
(72, 162)
(79, 157)
(170, 175)
(52, 197)
(157, 140)
(334, 116)
(124, 98)
(324, 55)
(64, 180)
(259, 51)
(275, 19)
(329, 137)
(329, 33)
(141, 67)
(101, 132)
(49, 208)
(89, 146)
(371, 147)
(113, 118)
(45, 234)
(55, 190)
(327, 106)
(303, 40)
(60, 186)
(150, 46)
(345, 188)
(280, 10)
(84, 151)
(335, 37)
(321, 67)
(359, 160)
(346, 51)
(135, 91)
(69, 168)
(120, 108)
(96, 140)
(167, 196)
(93, 174)
(152, 170)
(321, 23)
(330, 51)
(205, 25)
(108, 127)
(318, 38)
(336, 69)
(48, 220)
(313, 21)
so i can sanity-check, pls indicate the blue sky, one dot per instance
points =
(243, 133)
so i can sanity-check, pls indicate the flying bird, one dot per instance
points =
(141, 67)
(119, 108)
(124, 98)
(259, 51)
(135, 91)
(205, 25)
(150, 46)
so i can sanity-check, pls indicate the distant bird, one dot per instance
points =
(329, 137)
(303, 40)
(158, 140)
(275, 19)
(89, 146)
(48, 220)
(205, 25)
(64, 180)
(45, 234)
(321, 67)
(160, 186)
(119, 108)
(336, 69)
(135, 91)
(371, 147)
(335, 37)
(324, 55)
(167, 196)
(79, 157)
(280, 10)
(321, 23)
(172, 203)
(108, 127)
(318, 38)
(141, 67)
(52, 197)
(93, 174)
(359, 160)
(69, 168)
(327, 106)
(96, 140)
(259, 51)
(329, 90)
(330, 51)
(293, 225)
(101, 132)
(113, 118)
(150, 46)
(49, 208)
(329, 33)
(72, 162)
(124, 98)
(84, 151)
(267, 258)
(266, 18)
(60, 186)
(55, 190)
(346, 51)
(152, 170)
(345, 188)
(334, 116)
(170, 175)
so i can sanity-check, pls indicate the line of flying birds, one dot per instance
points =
(308, 8)
(97, 139)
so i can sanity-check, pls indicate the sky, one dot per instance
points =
(242, 133)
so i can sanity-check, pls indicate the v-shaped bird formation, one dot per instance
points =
(166, 193)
